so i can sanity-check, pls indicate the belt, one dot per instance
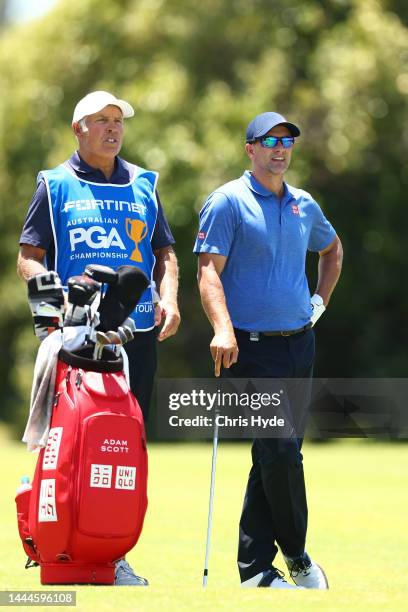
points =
(290, 332)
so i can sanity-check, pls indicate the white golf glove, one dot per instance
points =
(318, 308)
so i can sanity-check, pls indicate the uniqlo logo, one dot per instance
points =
(125, 477)
(201, 235)
(101, 476)
(51, 451)
(295, 209)
(47, 509)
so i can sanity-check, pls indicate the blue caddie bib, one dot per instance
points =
(101, 223)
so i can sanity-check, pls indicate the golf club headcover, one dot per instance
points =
(46, 320)
(100, 273)
(121, 299)
(82, 291)
(45, 289)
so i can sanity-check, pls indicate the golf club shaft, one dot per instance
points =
(211, 502)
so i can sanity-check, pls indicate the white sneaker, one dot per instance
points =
(272, 578)
(306, 573)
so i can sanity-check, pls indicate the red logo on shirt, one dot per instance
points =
(201, 235)
(295, 209)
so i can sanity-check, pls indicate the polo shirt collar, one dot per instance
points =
(82, 168)
(251, 182)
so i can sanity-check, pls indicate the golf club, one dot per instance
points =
(105, 339)
(118, 338)
(129, 322)
(211, 501)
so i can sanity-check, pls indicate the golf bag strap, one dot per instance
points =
(82, 358)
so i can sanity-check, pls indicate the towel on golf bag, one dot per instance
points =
(43, 387)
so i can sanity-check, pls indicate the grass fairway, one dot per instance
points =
(358, 501)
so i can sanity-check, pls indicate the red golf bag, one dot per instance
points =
(88, 498)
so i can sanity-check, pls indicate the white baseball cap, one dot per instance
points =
(96, 101)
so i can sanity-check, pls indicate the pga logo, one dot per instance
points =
(96, 237)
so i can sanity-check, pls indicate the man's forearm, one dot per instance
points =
(166, 278)
(213, 300)
(166, 274)
(329, 271)
(28, 267)
(223, 346)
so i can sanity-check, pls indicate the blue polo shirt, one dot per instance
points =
(265, 240)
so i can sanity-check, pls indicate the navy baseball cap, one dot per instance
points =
(265, 122)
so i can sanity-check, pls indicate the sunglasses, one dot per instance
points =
(271, 141)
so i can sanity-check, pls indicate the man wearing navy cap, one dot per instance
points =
(97, 208)
(253, 238)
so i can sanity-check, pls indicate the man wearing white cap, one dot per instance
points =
(96, 208)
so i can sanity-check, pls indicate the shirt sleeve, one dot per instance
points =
(217, 226)
(37, 229)
(322, 233)
(162, 236)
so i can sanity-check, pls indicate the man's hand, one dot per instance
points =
(170, 313)
(318, 308)
(224, 351)
(223, 347)
(166, 279)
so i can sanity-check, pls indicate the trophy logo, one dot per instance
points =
(136, 230)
